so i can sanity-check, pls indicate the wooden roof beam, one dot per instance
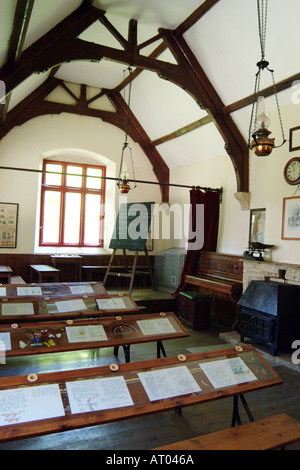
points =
(22, 16)
(269, 91)
(182, 131)
(195, 81)
(47, 45)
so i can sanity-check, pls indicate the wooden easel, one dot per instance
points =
(133, 272)
(127, 243)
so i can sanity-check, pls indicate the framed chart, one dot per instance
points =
(8, 224)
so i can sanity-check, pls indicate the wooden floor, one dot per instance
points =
(163, 428)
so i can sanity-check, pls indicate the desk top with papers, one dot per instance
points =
(29, 339)
(24, 309)
(94, 396)
(51, 289)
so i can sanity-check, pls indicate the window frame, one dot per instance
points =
(63, 189)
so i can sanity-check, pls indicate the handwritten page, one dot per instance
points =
(2, 291)
(17, 309)
(5, 337)
(82, 334)
(227, 372)
(21, 405)
(166, 383)
(29, 291)
(98, 394)
(70, 305)
(85, 289)
(154, 327)
(114, 303)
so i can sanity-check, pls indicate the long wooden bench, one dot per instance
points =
(88, 271)
(274, 432)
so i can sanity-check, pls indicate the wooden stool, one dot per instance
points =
(44, 271)
(194, 309)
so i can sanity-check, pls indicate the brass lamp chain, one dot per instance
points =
(128, 106)
(262, 9)
(127, 120)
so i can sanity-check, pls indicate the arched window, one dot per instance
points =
(72, 204)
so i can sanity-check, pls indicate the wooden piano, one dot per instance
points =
(220, 275)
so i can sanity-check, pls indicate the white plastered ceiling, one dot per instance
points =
(225, 41)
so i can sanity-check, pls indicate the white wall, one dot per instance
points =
(24, 147)
(267, 190)
(216, 173)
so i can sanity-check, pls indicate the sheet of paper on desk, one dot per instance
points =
(167, 383)
(2, 291)
(227, 372)
(157, 326)
(29, 291)
(114, 303)
(82, 334)
(98, 394)
(5, 337)
(70, 305)
(17, 309)
(21, 405)
(81, 289)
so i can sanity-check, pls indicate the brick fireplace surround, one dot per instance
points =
(269, 270)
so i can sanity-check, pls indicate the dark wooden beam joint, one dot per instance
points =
(195, 81)
(132, 39)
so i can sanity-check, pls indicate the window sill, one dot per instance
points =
(70, 251)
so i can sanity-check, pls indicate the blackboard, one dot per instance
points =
(132, 226)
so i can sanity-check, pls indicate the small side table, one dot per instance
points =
(6, 272)
(67, 259)
(44, 271)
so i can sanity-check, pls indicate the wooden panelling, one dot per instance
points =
(20, 263)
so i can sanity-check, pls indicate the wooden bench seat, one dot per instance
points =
(90, 270)
(270, 433)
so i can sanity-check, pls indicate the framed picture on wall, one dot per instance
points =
(291, 218)
(8, 224)
(294, 139)
(257, 225)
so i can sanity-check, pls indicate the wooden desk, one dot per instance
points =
(42, 338)
(39, 291)
(56, 260)
(64, 307)
(5, 272)
(85, 411)
(43, 271)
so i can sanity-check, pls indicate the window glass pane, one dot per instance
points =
(72, 218)
(51, 217)
(92, 219)
(93, 183)
(54, 180)
(74, 181)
